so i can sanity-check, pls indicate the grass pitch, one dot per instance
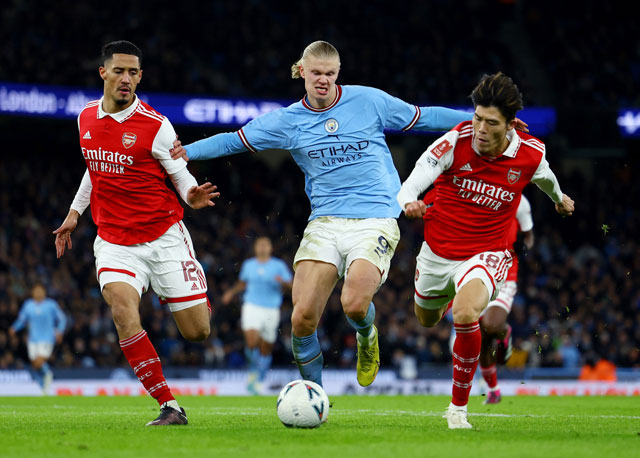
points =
(359, 426)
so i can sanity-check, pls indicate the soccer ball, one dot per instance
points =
(303, 404)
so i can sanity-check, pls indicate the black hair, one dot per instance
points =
(498, 90)
(120, 47)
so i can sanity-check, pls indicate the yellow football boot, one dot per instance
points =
(368, 360)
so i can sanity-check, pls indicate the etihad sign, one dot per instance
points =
(220, 111)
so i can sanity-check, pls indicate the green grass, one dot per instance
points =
(359, 426)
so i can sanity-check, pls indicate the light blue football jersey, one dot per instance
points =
(44, 319)
(341, 149)
(262, 288)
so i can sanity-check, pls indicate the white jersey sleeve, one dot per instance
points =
(83, 196)
(183, 181)
(177, 169)
(161, 146)
(427, 169)
(546, 180)
(523, 215)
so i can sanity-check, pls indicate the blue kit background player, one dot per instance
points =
(46, 322)
(336, 136)
(264, 280)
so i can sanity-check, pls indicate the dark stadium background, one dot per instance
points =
(579, 295)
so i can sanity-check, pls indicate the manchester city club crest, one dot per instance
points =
(513, 175)
(128, 139)
(331, 126)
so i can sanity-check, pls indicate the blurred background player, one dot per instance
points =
(336, 136)
(493, 319)
(479, 170)
(45, 322)
(263, 279)
(141, 238)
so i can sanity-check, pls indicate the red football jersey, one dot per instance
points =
(130, 200)
(476, 197)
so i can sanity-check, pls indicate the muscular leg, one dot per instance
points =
(312, 285)
(429, 318)
(136, 346)
(361, 283)
(493, 326)
(468, 303)
(193, 322)
(124, 301)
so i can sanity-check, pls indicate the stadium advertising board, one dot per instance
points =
(66, 102)
(232, 383)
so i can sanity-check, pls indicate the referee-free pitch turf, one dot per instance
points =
(358, 426)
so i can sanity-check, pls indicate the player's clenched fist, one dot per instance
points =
(415, 209)
(566, 207)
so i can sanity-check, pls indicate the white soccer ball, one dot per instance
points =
(303, 404)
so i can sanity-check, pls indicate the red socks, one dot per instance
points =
(146, 365)
(490, 375)
(466, 353)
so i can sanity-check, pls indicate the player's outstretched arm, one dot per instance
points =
(202, 196)
(566, 207)
(63, 233)
(230, 293)
(209, 148)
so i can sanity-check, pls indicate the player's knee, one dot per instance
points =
(355, 305)
(426, 318)
(198, 333)
(492, 327)
(465, 313)
(303, 322)
(124, 317)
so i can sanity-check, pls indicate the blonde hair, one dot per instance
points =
(319, 49)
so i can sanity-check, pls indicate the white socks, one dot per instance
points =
(369, 340)
(173, 404)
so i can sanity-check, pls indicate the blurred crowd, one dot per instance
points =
(426, 52)
(579, 297)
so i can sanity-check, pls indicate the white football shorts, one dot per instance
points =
(340, 241)
(39, 350)
(168, 263)
(438, 279)
(505, 297)
(265, 320)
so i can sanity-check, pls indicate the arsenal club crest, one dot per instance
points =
(128, 139)
(513, 175)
